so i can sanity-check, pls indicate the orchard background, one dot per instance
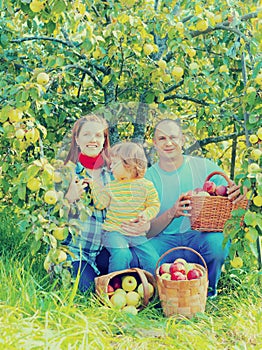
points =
(136, 62)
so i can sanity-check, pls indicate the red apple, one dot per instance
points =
(177, 266)
(164, 268)
(116, 282)
(221, 190)
(166, 276)
(198, 189)
(193, 274)
(209, 187)
(177, 276)
(110, 290)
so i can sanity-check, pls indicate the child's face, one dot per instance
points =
(91, 139)
(120, 172)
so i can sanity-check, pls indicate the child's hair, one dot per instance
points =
(133, 157)
(74, 150)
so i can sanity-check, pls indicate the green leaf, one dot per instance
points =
(32, 171)
(250, 218)
(21, 191)
(4, 40)
(59, 6)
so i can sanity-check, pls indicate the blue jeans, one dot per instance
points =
(208, 244)
(119, 247)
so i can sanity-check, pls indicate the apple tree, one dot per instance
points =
(199, 61)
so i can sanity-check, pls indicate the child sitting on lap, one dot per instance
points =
(129, 197)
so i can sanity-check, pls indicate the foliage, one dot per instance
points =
(199, 61)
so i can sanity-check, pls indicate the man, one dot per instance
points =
(173, 176)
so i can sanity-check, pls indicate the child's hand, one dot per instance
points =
(142, 218)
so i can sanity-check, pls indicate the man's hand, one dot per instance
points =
(234, 193)
(181, 207)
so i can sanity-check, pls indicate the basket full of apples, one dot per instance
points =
(182, 286)
(128, 290)
(211, 207)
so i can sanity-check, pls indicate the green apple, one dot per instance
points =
(129, 283)
(130, 309)
(133, 298)
(118, 300)
(140, 290)
(120, 291)
(180, 260)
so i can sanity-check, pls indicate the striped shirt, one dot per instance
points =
(125, 200)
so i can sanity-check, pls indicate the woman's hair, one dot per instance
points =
(74, 150)
(133, 157)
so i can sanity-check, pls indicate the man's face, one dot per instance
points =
(168, 140)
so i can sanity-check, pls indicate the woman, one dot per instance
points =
(89, 151)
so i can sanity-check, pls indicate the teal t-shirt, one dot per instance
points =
(170, 185)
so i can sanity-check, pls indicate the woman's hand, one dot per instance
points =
(136, 227)
(75, 189)
(234, 192)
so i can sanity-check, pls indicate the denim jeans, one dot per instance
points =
(119, 247)
(208, 244)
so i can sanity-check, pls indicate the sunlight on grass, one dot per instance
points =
(34, 318)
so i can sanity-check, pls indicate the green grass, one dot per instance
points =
(35, 314)
(37, 317)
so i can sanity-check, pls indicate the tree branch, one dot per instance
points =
(187, 98)
(88, 72)
(208, 140)
(226, 26)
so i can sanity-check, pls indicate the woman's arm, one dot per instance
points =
(180, 208)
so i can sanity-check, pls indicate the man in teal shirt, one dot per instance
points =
(173, 176)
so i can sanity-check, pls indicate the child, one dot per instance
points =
(129, 197)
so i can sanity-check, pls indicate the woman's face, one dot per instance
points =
(91, 138)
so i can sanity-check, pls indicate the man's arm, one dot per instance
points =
(180, 208)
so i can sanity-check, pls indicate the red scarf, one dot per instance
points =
(91, 162)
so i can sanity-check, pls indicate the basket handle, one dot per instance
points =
(144, 282)
(179, 248)
(219, 173)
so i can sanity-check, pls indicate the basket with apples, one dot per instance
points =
(182, 286)
(129, 290)
(211, 207)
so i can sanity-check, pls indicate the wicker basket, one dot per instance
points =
(142, 276)
(184, 297)
(210, 213)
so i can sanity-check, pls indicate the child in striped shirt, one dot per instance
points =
(128, 197)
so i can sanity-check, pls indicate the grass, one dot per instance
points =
(35, 314)
(37, 317)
